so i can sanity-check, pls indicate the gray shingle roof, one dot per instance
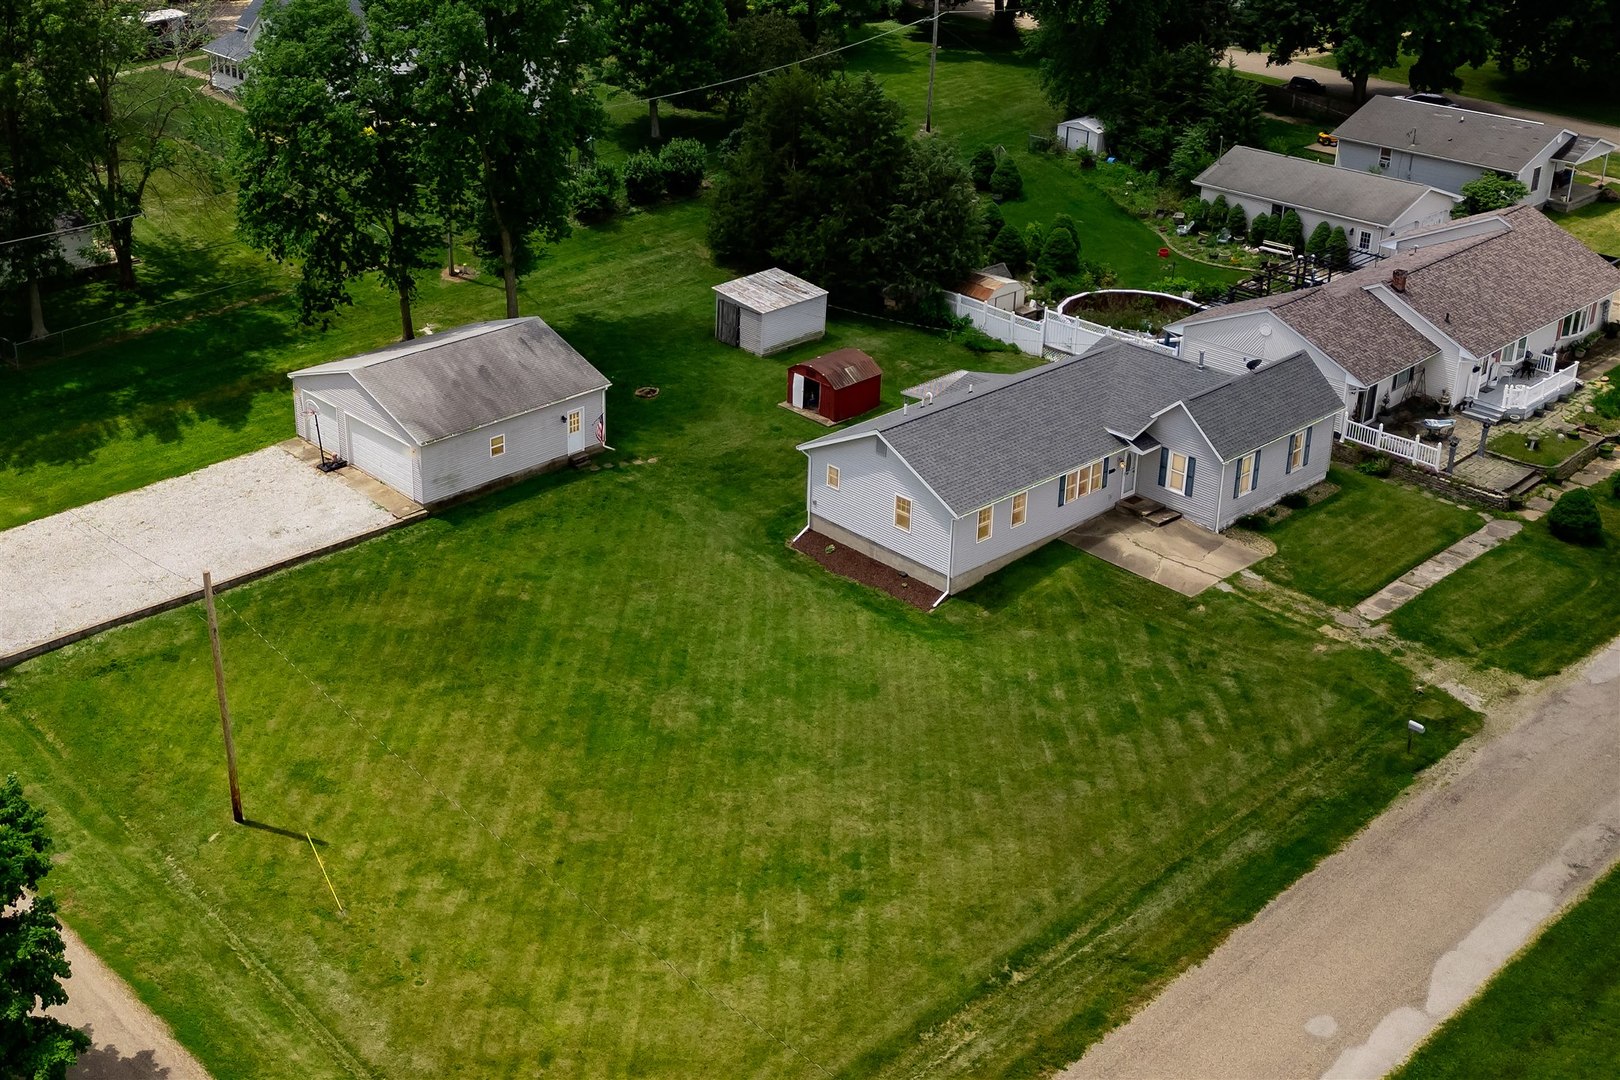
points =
(1307, 185)
(1484, 139)
(1253, 410)
(462, 379)
(973, 449)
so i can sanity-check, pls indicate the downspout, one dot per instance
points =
(809, 486)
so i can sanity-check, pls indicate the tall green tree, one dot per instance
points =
(45, 112)
(826, 20)
(1444, 35)
(932, 233)
(1365, 35)
(664, 46)
(1575, 40)
(330, 160)
(33, 960)
(504, 92)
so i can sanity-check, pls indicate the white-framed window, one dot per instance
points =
(1383, 157)
(1364, 241)
(1020, 508)
(833, 476)
(902, 513)
(497, 445)
(986, 519)
(1297, 450)
(1535, 179)
(573, 422)
(1070, 490)
(1176, 472)
(1248, 474)
(1083, 481)
(1576, 322)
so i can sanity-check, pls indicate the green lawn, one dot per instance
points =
(1550, 449)
(1553, 1013)
(1597, 225)
(1362, 537)
(1488, 83)
(1532, 605)
(709, 803)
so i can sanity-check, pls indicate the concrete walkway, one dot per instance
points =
(1345, 972)
(1179, 556)
(1420, 577)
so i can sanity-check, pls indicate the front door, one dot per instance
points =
(1127, 479)
(579, 431)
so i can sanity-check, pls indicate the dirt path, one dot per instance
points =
(1255, 63)
(128, 1041)
(1345, 972)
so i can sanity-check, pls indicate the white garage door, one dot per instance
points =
(324, 430)
(380, 454)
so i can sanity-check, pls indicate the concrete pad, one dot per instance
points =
(98, 563)
(1180, 556)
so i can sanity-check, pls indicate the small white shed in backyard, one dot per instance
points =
(769, 311)
(1080, 132)
(453, 412)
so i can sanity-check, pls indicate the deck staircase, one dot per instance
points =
(1156, 514)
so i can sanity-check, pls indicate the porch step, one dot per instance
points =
(580, 460)
(1155, 514)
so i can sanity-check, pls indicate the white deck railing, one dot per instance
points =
(1528, 397)
(1053, 330)
(1414, 450)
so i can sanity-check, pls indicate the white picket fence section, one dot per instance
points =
(1528, 397)
(1414, 450)
(1064, 333)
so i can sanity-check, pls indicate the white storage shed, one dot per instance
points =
(457, 411)
(769, 311)
(1081, 132)
(1005, 293)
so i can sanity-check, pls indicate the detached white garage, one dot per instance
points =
(769, 311)
(450, 413)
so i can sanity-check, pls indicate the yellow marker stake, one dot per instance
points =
(322, 865)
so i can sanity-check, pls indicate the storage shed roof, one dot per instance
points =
(843, 367)
(444, 384)
(769, 290)
(984, 285)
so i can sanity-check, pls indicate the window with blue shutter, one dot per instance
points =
(1164, 465)
(1192, 468)
(1307, 446)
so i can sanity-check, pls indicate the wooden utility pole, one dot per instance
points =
(933, 55)
(219, 686)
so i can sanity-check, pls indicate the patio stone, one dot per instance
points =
(1532, 515)
(1425, 574)
(1541, 506)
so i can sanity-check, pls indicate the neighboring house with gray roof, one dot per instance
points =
(997, 466)
(1370, 208)
(1472, 313)
(453, 412)
(1446, 148)
(229, 53)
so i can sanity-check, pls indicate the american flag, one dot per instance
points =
(601, 429)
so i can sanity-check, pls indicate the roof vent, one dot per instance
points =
(1256, 362)
(1397, 281)
(1200, 359)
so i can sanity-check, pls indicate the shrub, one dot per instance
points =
(596, 192)
(981, 166)
(1007, 183)
(990, 213)
(683, 162)
(1574, 518)
(1087, 156)
(1237, 221)
(643, 178)
(1291, 231)
(1260, 229)
(1065, 222)
(1317, 244)
(1376, 465)
(1338, 249)
(1614, 486)
(1295, 500)
(1008, 247)
(1034, 239)
(1059, 256)
(1218, 210)
(1254, 522)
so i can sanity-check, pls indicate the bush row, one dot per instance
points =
(677, 169)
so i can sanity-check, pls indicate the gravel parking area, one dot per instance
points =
(86, 566)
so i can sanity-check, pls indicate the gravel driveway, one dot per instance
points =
(83, 567)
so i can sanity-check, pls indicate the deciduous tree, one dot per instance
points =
(663, 46)
(1489, 192)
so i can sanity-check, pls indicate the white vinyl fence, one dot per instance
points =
(1064, 333)
(1414, 450)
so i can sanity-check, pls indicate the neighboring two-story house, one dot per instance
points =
(1471, 313)
(1445, 148)
(1369, 208)
(966, 482)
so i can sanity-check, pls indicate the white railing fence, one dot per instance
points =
(1414, 450)
(1527, 397)
(1546, 362)
(1053, 330)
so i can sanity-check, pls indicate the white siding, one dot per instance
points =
(380, 454)
(1275, 480)
(1228, 344)
(463, 463)
(1176, 431)
(804, 321)
(1044, 520)
(864, 501)
(340, 390)
(750, 336)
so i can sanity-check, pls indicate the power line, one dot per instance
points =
(71, 229)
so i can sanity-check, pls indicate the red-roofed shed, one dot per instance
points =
(837, 386)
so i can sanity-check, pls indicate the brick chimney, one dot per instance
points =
(1397, 281)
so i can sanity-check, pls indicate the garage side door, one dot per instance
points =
(380, 454)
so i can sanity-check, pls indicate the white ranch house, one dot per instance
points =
(769, 311)
(993, 466)
(1369, 208)
(451, 413)
(1472, 314)
(1447, 147)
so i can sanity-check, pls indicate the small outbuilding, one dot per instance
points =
(769, 311)
(836, 387)
(453, 412)
(1008, 294)
(1084, 131)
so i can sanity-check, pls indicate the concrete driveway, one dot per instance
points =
(95, 565)
(1179, 556)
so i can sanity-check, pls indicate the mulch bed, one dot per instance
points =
(849, 563)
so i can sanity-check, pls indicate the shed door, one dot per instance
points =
(798, 390)
(728, 323)
(380, 454)
(812, 395)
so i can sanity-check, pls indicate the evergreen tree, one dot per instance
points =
(1317, 244)
(1007, 183)
(1034, 239)
(1059, 257)
(1291, 231)
(1065, 222)
(993, 221)
(931, 235)
(1008, 247)
(1237, 220)
(982, 166)
(1260, 229)
(1338, 249)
